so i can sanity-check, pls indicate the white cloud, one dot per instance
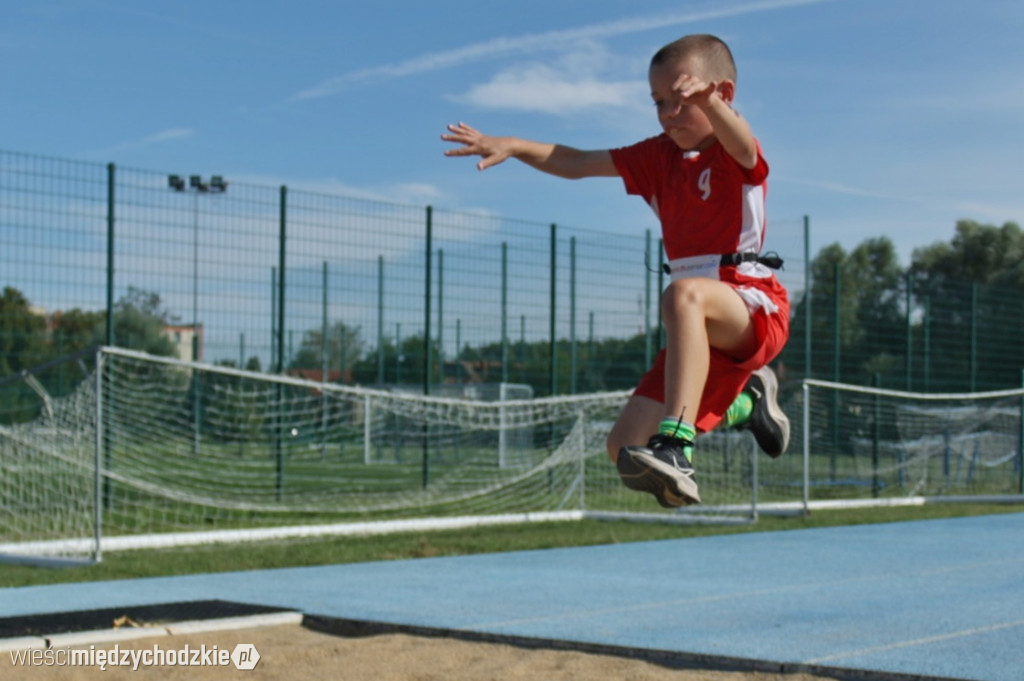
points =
(850, 190)
(168, 135)
(413, 193)
(538, 87)
(532, 43)
(998, 212)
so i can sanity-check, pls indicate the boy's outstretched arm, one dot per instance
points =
(731, 129)
(555, 159)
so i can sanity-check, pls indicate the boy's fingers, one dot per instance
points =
(488, 161)
(460, 151)
(463, 130)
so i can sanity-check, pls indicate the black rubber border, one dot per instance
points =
(352, 628)
(155, 614)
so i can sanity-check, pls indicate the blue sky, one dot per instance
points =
(878, 117)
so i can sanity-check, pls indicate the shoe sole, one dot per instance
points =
(643, 472)
(770, 386)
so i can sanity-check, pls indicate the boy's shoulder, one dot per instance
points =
(657, 142)
(663, 144)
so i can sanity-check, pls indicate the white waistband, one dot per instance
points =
(709, 266)
(695, 266)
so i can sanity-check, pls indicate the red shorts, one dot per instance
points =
(728, 375)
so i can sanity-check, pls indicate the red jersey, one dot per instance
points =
(709, 205)
(706, 202)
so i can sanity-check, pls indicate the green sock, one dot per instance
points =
(680, 429)
(739, 411)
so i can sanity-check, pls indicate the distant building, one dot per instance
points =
(181, 336)
(333, 375)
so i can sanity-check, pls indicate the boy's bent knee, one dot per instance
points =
(681, 294)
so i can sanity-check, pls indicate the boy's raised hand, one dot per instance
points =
(492, 150)
(693, 90)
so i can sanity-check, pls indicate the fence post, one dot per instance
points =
(440, 314)
(111, 170)
(427, 289)
(281, 256)
(808, 365)
(324, 368)
(427, 363)
(380, 320)
(273, 320)
(105, 441)
(572, 316)
(553, 355)
(504, 312)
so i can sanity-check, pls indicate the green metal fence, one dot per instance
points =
(282, 279)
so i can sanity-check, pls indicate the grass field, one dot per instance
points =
(266, 555)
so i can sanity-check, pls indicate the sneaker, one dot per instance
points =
(660, 469)
(768, 422)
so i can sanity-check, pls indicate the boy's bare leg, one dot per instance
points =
(637, 421)
(700, 314)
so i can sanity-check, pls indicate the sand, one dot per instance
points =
(295, 653)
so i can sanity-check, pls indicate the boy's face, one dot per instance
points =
(685, 124)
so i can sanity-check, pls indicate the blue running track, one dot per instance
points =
(938, 599)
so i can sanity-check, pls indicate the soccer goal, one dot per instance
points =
(115, 449)
(50, 476)
(873, 446)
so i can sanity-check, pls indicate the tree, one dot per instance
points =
(971, 290)
(858, 302)
(877, 293)
(77, 329)
(139, 321)
(344, 348)
(984, 254)
(22, 333)
(828, 300)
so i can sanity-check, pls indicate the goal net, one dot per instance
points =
(872, 443)
(144, 451)
(49, 473)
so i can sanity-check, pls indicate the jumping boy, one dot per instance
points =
(725, 314)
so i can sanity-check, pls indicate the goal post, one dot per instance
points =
(51, 449)
(117, 449)
(875, 446)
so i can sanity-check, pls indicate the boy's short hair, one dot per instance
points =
(713, 54)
